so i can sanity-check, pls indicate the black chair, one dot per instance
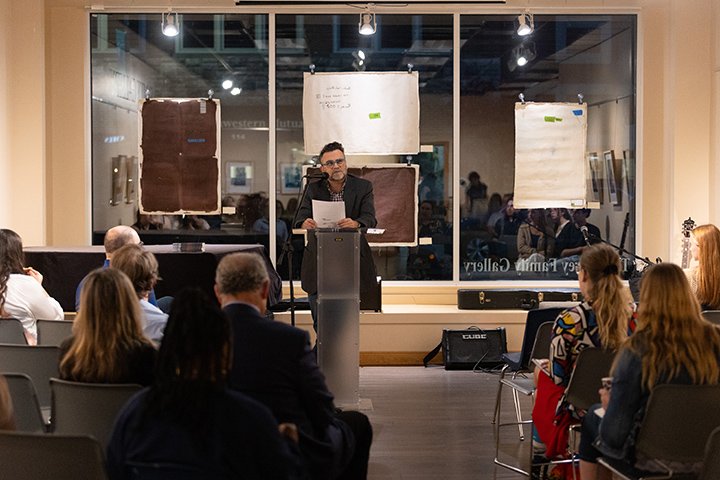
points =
(26, 409)
(38, 456)
(164, 471)
(12, 331)
(712, 316)
(711, 463)
(53, 332)
(517, 363)
(39, 363)
(679, 420)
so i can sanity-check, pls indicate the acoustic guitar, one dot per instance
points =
(687, 227)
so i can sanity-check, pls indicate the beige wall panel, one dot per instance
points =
(5, 164)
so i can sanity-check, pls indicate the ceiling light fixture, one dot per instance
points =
(227, 84)
(524, 54)
(170, 24)
(526, 24)
(367, 25)
(236, 91)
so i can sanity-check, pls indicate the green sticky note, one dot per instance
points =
(374, 116)
(552, 119)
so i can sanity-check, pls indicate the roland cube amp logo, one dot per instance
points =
(474, 336)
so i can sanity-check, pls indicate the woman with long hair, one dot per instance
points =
(604, 319)
(189, 418)
(672, 344)
(704, 278)
(21, 293)
(108, 345)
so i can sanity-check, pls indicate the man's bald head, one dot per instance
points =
(119, 236)
(242, 277)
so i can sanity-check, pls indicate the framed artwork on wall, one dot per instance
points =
(238, 177)
(290, 178)
(597, 192)
(611, 175)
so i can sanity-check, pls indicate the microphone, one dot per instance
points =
(320, 175)
(585, 234)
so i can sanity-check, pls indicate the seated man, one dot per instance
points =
(273, 363)
(142, 269)
(115, 238)
(570, 240)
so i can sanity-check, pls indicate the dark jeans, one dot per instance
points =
(362, 431)
(590, 431)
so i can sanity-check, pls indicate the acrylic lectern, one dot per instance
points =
(338, 312)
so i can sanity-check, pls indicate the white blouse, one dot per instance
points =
(27, 300)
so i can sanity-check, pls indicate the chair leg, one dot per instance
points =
(518, 414)
(496, 413)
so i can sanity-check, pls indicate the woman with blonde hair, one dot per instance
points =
(672, 344)
(21, 293)
(704, 278)
(108, 345)
(604, 319)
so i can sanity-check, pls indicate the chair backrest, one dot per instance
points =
(37, 456)
(26, 408)
(53, 332)
(591, 366)
(712, 316)
(680, 435)
(88, 408)
(711, 462)
(534, 319)
(541, 348)
(163, 471)
(39, 363)
(12, 331)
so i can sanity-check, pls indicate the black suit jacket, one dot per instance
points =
(273, 363)
(360, 206)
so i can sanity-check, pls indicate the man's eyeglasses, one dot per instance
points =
(332, 163)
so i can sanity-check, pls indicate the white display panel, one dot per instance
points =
(369, 113)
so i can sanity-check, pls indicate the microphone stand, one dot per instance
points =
(621, 250)
(287, 250)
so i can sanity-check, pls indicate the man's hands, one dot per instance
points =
(310, 224)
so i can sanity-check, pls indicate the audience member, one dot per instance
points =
(115, 238)
(262, 224)
(535, 241)
(704, 276)
(273, 362)
(672, 344)
(495, 205)
(108, 345)
(141, 267)
(570, 241)
(21, 293)
(509, 222)
(475, 196)
(604, 319)
(7, 416)
(188, 417)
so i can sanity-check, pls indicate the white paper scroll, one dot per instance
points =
(369, 113)
(550, 141)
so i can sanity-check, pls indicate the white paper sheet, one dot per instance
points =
(550, 163)
(328, 214)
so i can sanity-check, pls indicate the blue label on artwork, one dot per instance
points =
(577, 113)
(196, 140)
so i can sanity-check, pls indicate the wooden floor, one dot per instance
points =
(430, 423)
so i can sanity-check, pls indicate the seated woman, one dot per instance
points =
(672, 344)
(189, 418)
(108, 345)
(604, 319)
(704, 277)
(535, 241)
(21, 293)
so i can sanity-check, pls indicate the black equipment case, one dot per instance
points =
(478, 299)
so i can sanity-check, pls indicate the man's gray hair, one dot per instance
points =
(240, 273)
(118, 237)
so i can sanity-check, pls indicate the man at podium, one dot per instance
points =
(357, 194)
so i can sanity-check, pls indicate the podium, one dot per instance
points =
(338, 312)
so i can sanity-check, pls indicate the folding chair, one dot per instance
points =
(53, 332)
(12, 331)
(88, 408)
(39, 363)
(526, 386)
(711, 463)
(37, 456)
(517, 363)
(712, 316)
(26, 409)
(678, 421)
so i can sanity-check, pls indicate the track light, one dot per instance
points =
(526, 24)
(367, 25)
(523, 54)
(235, 91)
(170, 24)
(227, 84)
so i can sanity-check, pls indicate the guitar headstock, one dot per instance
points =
(687, 227)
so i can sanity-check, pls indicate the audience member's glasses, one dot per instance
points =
(332, 163)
